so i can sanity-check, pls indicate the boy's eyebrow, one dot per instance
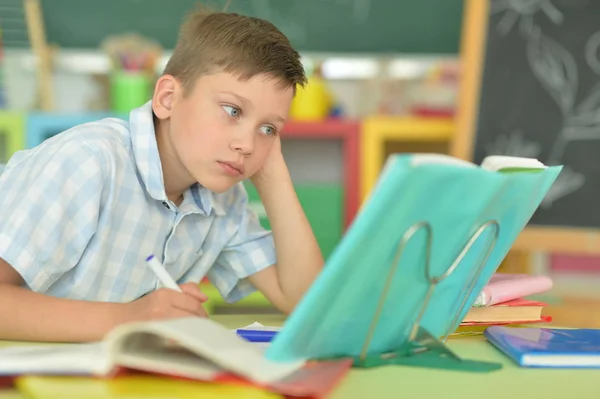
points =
(277, 118)
(243, 100)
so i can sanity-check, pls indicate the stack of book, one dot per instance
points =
(503, 302)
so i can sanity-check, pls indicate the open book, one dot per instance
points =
(493, 163)
(195, 348)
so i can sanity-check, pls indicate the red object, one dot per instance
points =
(313, 381)
(521, 302)
(428, 112)
(6, 382)
(342, 129)
(544, 319)
(575, 263)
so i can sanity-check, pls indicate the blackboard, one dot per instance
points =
(408, 26)
(540, 97)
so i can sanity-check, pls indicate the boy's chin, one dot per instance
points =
(218, 185)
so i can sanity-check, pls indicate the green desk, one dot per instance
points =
(404, 382)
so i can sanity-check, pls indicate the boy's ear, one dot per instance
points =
(164, 95)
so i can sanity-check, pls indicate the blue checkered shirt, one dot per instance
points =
(80, 213)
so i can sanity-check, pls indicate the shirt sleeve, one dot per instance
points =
(49, 207)
(250, 250)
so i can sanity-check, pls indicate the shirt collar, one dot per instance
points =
(147, 159)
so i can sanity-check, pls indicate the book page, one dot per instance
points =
(147, 352)
(500, 162)
(439, 159)
(207, 340)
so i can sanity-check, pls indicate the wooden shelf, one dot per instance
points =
(376, 131)
(553, 239)
(409, 128)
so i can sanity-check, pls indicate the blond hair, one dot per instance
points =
(227, 42)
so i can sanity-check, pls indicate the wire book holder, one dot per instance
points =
(422, 348)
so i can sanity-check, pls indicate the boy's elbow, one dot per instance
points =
(8, 274)
(287, 306)
(287, 302)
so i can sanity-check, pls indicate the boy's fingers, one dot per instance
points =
(193, 290)
(190, 305)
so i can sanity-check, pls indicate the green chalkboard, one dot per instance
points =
(408, 26)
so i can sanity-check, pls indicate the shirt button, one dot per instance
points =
(166, 205)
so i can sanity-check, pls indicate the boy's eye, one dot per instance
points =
(268, 130)
(232, 111)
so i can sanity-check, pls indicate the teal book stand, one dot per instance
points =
(422, 349)
(412, 263)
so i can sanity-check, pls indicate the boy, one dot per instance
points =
(80, 213)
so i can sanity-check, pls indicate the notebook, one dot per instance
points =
(504, 287)
(546, 347)
(442, 202)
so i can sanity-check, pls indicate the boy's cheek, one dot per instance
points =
(254, 167)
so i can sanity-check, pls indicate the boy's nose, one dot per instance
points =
(243, 143)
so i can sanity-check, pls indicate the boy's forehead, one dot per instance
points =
(229, 80)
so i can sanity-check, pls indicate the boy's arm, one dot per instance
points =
(31, 316)
(299, 258)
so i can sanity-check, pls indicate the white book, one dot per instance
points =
(192, 347)
(492, 163)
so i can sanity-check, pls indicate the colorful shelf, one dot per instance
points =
(349, 133)
(377, 131)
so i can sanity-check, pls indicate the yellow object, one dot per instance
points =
(149, 387)
(312, 102)
(376, 131)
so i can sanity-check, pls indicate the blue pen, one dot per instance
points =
(256, 335)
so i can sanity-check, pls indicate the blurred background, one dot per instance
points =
(446, 76)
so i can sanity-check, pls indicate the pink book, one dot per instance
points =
(504, 287)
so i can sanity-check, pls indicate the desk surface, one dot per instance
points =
(395, 382)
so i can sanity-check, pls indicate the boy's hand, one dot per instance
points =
(166, 303)
(273, 165)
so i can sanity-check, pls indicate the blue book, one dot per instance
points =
(547, 347)
(430, 217)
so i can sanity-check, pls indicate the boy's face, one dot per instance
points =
(223, 130)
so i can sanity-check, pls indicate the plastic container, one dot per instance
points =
(129, 90)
